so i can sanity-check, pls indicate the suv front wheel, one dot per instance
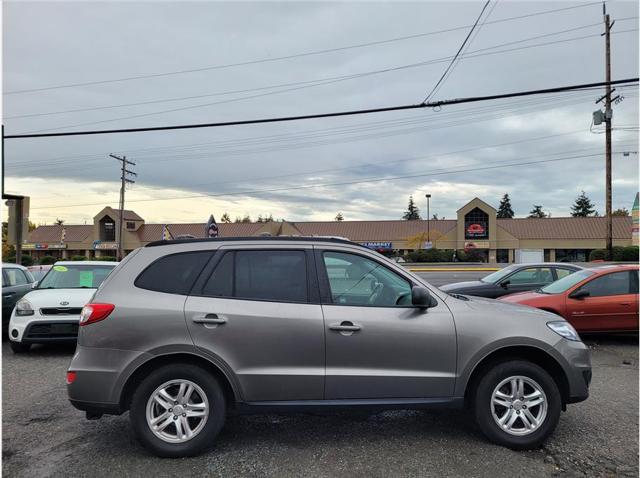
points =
(177, 410)
(517, 404)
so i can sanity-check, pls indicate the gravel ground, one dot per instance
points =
(44, 436)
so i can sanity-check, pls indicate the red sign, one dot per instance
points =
(475, 229)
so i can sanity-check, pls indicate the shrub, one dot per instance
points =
(78, 258)
(430, 255)
(27, 260)
(597, 255)
(106, 258)
(46, 260)
(619, 253)
(631, 253)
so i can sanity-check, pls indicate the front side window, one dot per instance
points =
(174, 274)
(356, 280)
(15, 277)
(268, 275)
(617, 283)
(532, 275)
(75, 276)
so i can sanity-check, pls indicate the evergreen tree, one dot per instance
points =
(583, 207)
(59, 222)
(621, 211)
(339, 217)
(412, 213)
(537, 212)
(225, 218)
(504, 210)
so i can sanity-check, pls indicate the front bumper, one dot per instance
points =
(40, 331)
(577, 369)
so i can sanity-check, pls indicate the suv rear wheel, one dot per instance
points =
(177, 410)
(517, 404)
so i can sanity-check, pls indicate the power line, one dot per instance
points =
(328, 115)
(286, 57)
(299, 85)
(455, 57)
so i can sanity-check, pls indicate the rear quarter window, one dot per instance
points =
(175, 273)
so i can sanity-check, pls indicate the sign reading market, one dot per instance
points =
(378, 245)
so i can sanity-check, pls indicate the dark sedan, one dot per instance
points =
(511, 279)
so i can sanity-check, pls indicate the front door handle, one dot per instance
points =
(345, 326)
(625, 304)
(209, 319)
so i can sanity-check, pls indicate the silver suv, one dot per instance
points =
(183, 332)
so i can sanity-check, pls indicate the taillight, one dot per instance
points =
(95, 312)
(71, 376)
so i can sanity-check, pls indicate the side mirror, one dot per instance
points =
(579, 294)
(505, 284)
(34, 284)
(421, 298)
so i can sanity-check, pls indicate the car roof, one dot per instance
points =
(86, 263)
(547, 264)
(11, 264)
(615, 267)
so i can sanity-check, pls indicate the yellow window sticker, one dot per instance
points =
(60, 268)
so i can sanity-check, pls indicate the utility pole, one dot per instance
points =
(124, 180)
(608, 117)
(428, 196)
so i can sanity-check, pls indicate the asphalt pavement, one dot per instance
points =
(43, 435)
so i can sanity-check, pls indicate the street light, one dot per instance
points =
(428, 196)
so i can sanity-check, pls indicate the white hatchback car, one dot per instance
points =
(51, 312)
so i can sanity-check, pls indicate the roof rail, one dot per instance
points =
(339, 240)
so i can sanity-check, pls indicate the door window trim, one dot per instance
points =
(325, 286)
(313, 293)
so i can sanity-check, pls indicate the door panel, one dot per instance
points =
(275, 349)
(377, 345)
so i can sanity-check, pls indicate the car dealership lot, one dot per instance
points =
(43, 435)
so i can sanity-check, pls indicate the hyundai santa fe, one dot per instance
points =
(183, 332)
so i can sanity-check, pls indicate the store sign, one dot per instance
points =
(428, 245)
(105, 245)
(476, 230)
(378, 245)
(38, 246)
(476, 245)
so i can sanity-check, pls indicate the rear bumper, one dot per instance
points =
(97, 408)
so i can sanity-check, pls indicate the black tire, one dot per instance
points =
(214, 421)
(19, 347)
(482, 404)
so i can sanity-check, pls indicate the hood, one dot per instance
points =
(507, 307)
(53, 297)
(523, 297)
(460, 286)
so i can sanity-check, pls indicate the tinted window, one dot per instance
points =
(260, 275)
(356, 280)
(562, 273)
(174, 274)
(617, 283)
(532, 275)
(220, 284)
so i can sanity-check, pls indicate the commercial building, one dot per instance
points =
(476, 227)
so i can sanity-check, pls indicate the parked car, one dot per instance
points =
(16, 282)
(184, 331)
(51, 311)
(38, 272)
(602, 299)
(513, 278)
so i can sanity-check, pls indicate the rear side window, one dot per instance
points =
(277, 275)
(618, 283)
(174, 274)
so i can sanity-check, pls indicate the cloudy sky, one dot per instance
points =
(81, 65)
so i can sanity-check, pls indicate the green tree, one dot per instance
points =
(339, 217)
(621, 211)
(537, 212)
(225, 218)
(505, 211)
(59, 222)
(246, 218)
(583, 207)
(412, 213)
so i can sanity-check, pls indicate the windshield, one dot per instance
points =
(75, 276)
(566, 283)
(498, 275)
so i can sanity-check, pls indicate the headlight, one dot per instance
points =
(564, 329)
(23, 307)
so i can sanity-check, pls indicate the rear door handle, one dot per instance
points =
(209, 319)
(626, 304)
(345, 326)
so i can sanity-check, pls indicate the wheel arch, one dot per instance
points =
(520, 352)
(230, 394)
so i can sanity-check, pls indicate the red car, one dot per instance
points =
(602, 299)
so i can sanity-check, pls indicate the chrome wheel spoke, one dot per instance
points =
(529, 420)
(196, 413)
(162, 425)
(502, 402)
(162, 401)
(506, 417)
(515, 412)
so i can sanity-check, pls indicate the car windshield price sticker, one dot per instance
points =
(60, 268)
(86, 279)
